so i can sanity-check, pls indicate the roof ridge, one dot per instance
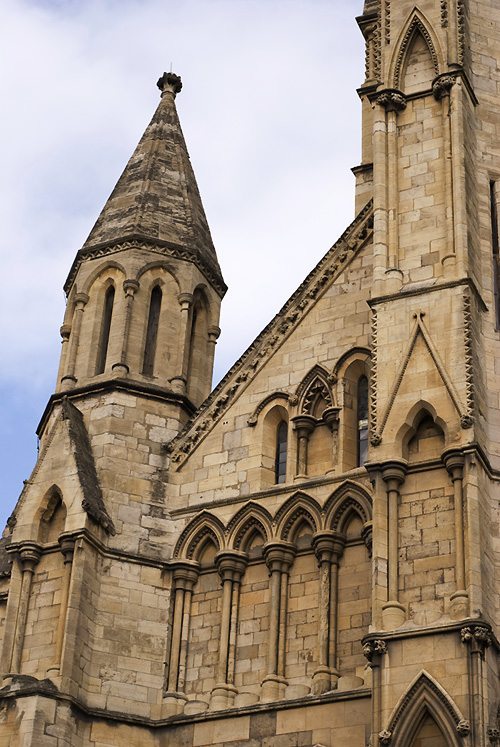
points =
(275, 332)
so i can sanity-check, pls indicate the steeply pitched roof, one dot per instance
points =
(263, 347)
(93, 501)
(156, 199)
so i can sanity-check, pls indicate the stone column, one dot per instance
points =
(179, 382)
(374, 650)
(304, 426)
(441, 90)
(69, 379)
(331, 418)
(458, 175)
(454, 463)
(29, 554)
(231, 566)
(392, 102)
(184, 577)
(279, 557)
(393, 613)
(67, 545)
(477, 637)
(65, 332)
(213, 336)
(129, 287)
(328, 546)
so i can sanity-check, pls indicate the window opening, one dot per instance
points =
(109, 300)
(362, 419)
(281, 452)
(152, 331)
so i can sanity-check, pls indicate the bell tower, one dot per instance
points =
(144, 292)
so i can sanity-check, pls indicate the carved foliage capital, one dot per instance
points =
(374, 648)
(442, 86)
(463, 727)
(392, 100)
(477, 636)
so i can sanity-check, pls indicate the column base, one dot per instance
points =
(324, 679)
(459, 605)
(68, 382)
(393, 280)
(273, 688)
(173, 704)
(120, 370)
(222, 696)
(393, 615)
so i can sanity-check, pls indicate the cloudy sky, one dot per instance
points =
(272, 123)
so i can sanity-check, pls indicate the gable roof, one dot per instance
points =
(273, 335)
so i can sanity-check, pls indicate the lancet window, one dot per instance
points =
(281, 452)
(152, 331)
(107, 315)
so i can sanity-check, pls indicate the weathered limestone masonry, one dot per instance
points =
(310, 554)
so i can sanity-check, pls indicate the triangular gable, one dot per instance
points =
(272, 337)
(419, 331)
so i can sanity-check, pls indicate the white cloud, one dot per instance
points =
(270, 115)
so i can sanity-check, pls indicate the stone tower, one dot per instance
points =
(309, 554)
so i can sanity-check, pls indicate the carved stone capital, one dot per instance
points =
(213, 333)
(81, 300)
(279, 556)
(463, 727)
(185, 574)
(391, 100)
(304, 425)
(328, 546)
(231, 565)
(478, 636)
(67, 545)
(394, 473)
(385, 737)
(454, 461)
(65, 331)
(130, 287)
(367, 535)
(442, 86)
(170, 83)
(494, 735)
(29, 553)
(374, 649)
(331, 417)
(185, 300)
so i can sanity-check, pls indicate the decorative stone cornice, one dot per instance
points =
(391, 100)
(265, 345)
(143, 243)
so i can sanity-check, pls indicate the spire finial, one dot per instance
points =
(169, 83)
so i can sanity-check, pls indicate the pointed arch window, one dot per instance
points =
(109, 300)
(152, 331)
(281, 452)
(362, 420)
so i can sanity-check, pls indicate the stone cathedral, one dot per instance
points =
(309, 554)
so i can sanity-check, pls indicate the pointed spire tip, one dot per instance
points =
(169, 83)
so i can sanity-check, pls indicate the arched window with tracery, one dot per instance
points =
(281, 453)
(152, 331)
(362, 420)
(107, 315)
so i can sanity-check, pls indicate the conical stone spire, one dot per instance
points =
(156, 199)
